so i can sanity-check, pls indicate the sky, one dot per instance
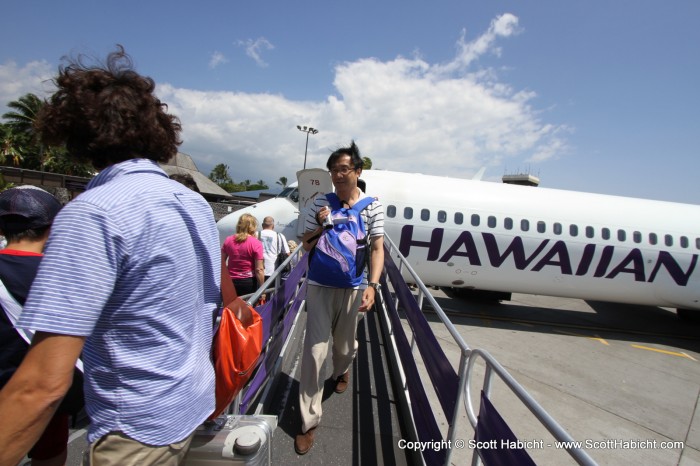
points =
(597, 96)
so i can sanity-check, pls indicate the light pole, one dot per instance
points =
(308, 130)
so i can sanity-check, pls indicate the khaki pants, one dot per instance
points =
(329, 312)
(116, 449)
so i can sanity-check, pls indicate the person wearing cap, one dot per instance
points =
(130, 277)
(26, 214)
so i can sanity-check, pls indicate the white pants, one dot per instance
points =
(329, 311)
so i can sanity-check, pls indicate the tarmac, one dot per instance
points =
(623, 380)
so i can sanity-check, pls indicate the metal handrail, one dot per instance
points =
(275, 278)
(467, 360)
(545, 419)
(465, 372)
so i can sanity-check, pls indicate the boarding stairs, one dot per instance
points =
(405, 390)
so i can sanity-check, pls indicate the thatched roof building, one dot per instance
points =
(183, 164)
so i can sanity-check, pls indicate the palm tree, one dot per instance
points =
(10, 150)
(366, 163)
(21, 120)
(282, 181)
(20, 145)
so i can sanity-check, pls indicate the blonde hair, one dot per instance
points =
(247, 225)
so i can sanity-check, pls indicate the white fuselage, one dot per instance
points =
(491, 236)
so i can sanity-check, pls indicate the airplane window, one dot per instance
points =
(541, 226)
(605, 233)
(590, 232)
(557, 228)
(621, 235)
(476, 220)
(459, 218)
(637, 237)
(684, 242)
(508, 223)
(442, 216)
(291, 192)
(668, 240)
(697, 243)
(408, 213)
(425, 215)
(525, 224)
(391, 211)
(573, 230)
(492, 221)
(288, 191)
(652, 238)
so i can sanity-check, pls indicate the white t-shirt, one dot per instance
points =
(272, 242)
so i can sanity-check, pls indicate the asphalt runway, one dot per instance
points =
(624, 380)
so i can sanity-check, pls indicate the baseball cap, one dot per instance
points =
(26, 207)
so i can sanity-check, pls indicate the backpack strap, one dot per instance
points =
(334, 201)
(357, 208)
(362, 204)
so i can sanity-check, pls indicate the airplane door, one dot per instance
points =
(311, 182)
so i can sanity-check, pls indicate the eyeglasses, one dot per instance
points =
(340, 170)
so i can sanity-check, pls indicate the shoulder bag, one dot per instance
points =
(281, 256)
(237, 345)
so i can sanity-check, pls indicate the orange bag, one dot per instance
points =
(236, 347)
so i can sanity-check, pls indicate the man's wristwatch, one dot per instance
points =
(375, 285)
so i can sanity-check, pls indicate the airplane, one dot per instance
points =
(480, 235)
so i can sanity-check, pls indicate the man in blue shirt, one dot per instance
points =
(130, 278)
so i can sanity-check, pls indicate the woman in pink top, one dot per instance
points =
(243, 255)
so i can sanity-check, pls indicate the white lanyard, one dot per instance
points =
(13, 309)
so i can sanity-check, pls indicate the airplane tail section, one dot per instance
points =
(311, 182)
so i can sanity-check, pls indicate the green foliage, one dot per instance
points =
(260, 184)
(25, 110)
(4, 184)
(20, 146)
(366, 163)
(10, 147)
(282, 181)
(220, 175)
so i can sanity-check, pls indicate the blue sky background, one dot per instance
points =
(593, 96)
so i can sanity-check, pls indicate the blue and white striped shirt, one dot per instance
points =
(133, 264)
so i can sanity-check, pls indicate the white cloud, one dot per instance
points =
(505, 25)
(217, 58)
(253, 49)
(405, 114)
(16, 81)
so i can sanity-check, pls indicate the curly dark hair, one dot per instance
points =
(108, 114)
